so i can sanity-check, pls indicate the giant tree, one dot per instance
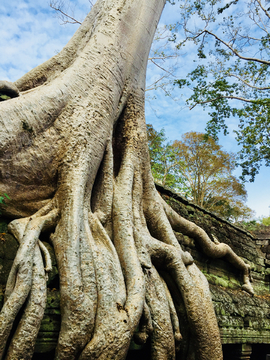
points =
(74, 159)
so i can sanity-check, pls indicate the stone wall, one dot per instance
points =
(244, 320)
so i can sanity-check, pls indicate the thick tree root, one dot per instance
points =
(197, 300)
(113, 241)
(162, 338)
(174, 318)
(23, 342)
(72, 244)
(212, 249)
(26, 276)
(145, 326)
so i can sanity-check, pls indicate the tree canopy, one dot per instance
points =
(197, 167)
(232, 75)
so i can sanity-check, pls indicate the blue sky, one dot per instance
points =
(30, 34)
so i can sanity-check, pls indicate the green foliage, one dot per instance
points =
(232, 75)
(265, 221)
(164, 163)
(260, 226)
(4, 97)
(251, 226)
(208, 173)
(2, 200)
(198, 169)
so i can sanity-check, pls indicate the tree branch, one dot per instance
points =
(205, 31)
(57, 8)
(152, 86)
(162, 57)
(263, 9)
(246, 83)
(168, 72)
(219, 98)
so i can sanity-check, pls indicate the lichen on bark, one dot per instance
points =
(83, 172)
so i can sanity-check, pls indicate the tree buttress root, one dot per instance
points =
(114, 242)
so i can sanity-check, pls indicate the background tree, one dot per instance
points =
(165, 166)
(199, 169)
(208, 173)
(74, 159)
(232, 75)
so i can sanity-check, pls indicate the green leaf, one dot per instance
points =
(4, 97)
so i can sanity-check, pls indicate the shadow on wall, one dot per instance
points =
(45, 356)
(246, 351)
(143, 354)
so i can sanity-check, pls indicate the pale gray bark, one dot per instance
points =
(74, 158)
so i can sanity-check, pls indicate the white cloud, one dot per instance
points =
(30, 34)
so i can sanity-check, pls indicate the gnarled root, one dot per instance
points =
(26, 276)
(114, 244)
(128, 285)
(174, 318)
(197, 299)
(145, 326)
(72, 245)
(212, 249)
(162, 338)
(23, 342)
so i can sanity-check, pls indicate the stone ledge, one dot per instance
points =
(243, 336)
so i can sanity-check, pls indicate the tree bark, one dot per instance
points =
(74, 159)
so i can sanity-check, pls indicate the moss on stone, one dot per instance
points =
(3, 225)
(50, 325)
(8, 250)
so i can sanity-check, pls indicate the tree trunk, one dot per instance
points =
(74, 159)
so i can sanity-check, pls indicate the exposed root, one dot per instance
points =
(47, 257)
(22, 278)
(145, 326)
(77, 278)
(196, 303)
(124, 242)
(117, 316)
(174, 318)
(113, 243)
(162, 338)
(111, 322)
(103, 244)
(210, 248)
(102, 193)
(23, 342)
(182, 317)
